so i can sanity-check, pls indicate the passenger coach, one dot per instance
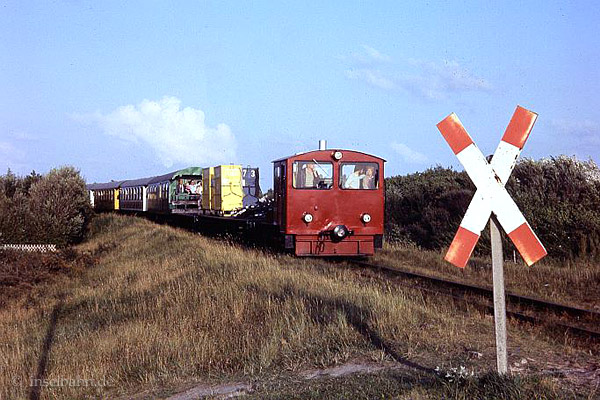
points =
(104, 196)
(330, 202)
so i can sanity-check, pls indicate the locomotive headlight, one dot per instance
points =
(340, 231)
(366, 218)
(337, 155)
(307, 218)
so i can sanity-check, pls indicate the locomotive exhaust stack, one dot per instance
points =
(322, 144)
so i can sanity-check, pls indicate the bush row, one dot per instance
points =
(560, 198)
(52, 209)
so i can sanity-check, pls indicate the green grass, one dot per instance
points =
(162, 308)
(396, 385)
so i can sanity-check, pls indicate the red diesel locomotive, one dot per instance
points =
(330, 202)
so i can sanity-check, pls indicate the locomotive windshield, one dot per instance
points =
(312, 175)
(359, 176)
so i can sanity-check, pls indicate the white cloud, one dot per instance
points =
(176, 135)
(409, 155)
(22, 135)
(430, 80)
(376, 54)
(6, 148)
(372, 77)
(368, 56)
(585, 131)
(436, 80)
(12, 157)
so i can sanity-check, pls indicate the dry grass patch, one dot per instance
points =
(21, 273)
(164, 307)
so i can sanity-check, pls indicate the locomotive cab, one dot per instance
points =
(330, 202)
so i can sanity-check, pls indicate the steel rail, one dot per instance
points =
(511, 297)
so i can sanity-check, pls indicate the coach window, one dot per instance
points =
(359, 175)
(312, 175)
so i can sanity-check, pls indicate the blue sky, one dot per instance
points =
(132, 89)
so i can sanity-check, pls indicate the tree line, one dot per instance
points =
(559, 197)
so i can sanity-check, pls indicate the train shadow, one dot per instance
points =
(40, 375)
(324, 310)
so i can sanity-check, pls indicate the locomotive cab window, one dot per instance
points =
(359, 176)
(312, 175)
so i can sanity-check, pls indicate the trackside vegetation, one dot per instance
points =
(161, 310)
(47, 209)
(560, 198)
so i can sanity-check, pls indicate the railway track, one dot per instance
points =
(579, 322)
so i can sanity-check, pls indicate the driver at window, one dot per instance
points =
(368, 181)
(311, 177)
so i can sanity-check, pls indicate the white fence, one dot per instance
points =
(40, 248)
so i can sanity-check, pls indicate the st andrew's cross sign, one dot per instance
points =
(491, 195)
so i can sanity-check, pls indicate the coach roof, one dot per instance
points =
(105, 185)
(193, 171)
(137, 182)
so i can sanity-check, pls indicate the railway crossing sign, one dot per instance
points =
(492, 199)
(491, 195)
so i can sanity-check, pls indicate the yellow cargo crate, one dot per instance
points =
(227, 193)
(207, 189)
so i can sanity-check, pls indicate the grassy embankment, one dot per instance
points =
(163, 308)
(572, 282)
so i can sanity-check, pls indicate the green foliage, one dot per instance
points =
(426, 207)
(44, 209)
(560, 197)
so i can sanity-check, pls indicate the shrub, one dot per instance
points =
(426, 207)
(50, 209)
(560, 198)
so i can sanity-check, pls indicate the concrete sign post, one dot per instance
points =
(491, 197)
(499, 299)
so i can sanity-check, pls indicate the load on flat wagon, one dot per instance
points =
(325, 202)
